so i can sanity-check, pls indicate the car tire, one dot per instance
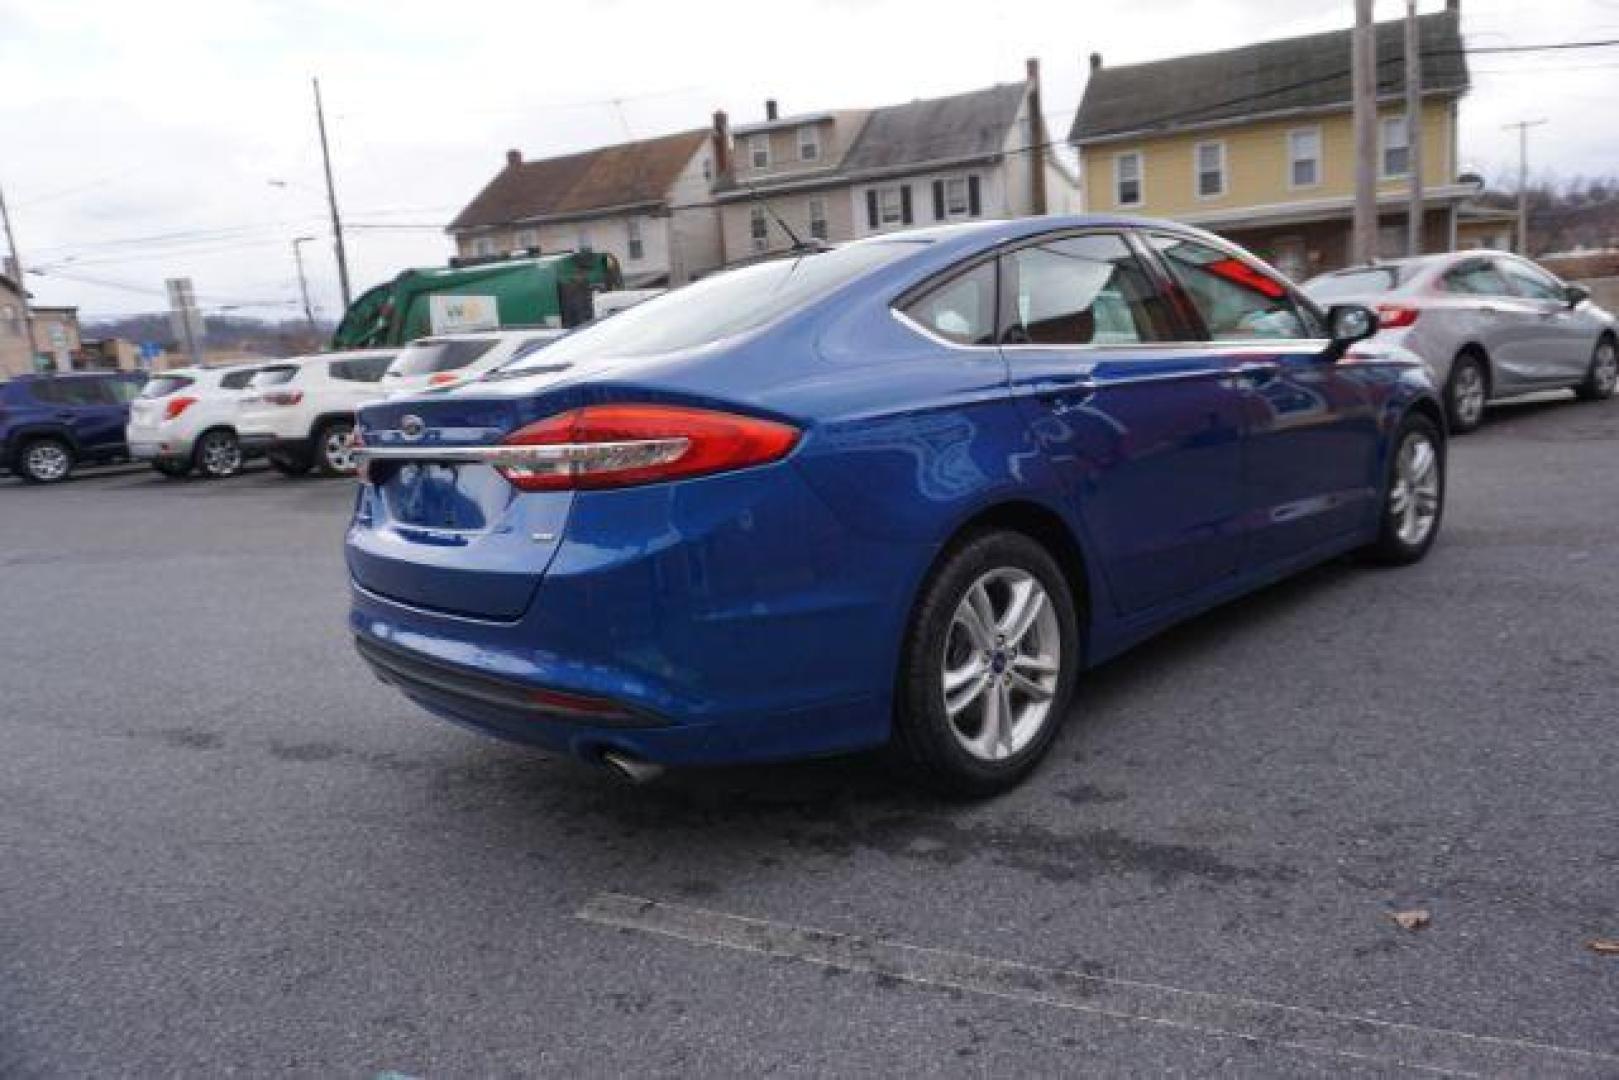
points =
(174, 470)
(217, 455)
(44, 461)
(1414, 494)
(287, 465)
(1466, 392)
(334, 454)
(1603, 374)
(995, 633)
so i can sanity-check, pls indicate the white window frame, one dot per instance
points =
(758, 228)
(1141, 177)
(1197, 170)
(966, 211)
(818, 204)
(811, 143)
(883, 220)
(584, 239)
(1320, 155)
(635, 245)
(759, 146)
(1383, 123)
(527, 238)
(483, 245)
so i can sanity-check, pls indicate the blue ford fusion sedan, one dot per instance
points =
(900, 492)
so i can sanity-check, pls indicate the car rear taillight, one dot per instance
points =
(283, 397)
(610, 446)
(443, 378)
(1394, 316)
(176, 406)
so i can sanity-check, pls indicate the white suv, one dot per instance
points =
(300, 412)
(186, 419)
(448, 359)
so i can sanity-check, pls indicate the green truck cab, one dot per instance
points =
(544, 290)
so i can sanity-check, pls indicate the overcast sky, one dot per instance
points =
(138, 141)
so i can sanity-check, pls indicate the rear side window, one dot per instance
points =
(275, 376)
(1082, 290)
(1238, 302)
(961, 310)
(1476, 278)
(532, 346)
(164, 385)
(236, 380)
(431, 356)
(121, 391)
(361, 368)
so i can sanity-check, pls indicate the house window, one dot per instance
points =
(955, 197)
(483, 245)
(527, 238)
(1304, 157)
(1127, 178)
(708, 169)
(759, 151)
(633, 228)
(1210, 164)
(758, 228)
(584, 238)
(809, 143)
(890, 206)
(1396, 146)
(8, 320)
(817, 218)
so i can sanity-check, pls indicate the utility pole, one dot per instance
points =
(22, 285)
(1413, 127)
(1363, 88)
(303, 283)
(1523, 127)
(331, 197)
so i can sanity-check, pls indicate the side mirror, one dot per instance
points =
(1576, 295)
(1348, 324)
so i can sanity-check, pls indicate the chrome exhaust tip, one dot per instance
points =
(631, 769)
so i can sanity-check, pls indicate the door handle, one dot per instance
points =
(1066, 390)
(1258, 371)
(65, 415)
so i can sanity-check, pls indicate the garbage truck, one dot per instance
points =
(544, 290)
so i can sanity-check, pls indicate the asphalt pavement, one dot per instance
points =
(225, 848)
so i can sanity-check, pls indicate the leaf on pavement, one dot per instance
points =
(1414, 919)
(1604, 946)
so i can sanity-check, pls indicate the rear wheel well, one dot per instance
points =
(1046, 528)
(1476, 351)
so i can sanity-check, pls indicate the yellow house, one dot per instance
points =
(1257, 143)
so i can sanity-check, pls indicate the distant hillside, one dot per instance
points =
(263, 337)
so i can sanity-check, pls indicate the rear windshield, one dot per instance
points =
(716, 307)
(275, 376)
(164, 385)
(1372, 279)
(430, 356)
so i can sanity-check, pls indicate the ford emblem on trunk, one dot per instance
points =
(412, 428)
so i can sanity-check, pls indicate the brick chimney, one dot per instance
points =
(722, 144)
(1096, 61)
(770, 109)
(514, 158)
(1037, 138)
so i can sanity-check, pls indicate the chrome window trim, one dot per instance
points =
(1246, 345)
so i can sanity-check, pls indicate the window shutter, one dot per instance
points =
(871, 207)
(974, 207)
(905, 204)
(938, 200)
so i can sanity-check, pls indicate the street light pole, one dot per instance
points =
(22, 285)
(1413, 128)
(1363, 92)
(303, 283)
(1523, 127)
(331, 198)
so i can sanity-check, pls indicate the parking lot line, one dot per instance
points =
(1292, 1027)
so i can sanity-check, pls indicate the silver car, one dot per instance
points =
(1488, 324)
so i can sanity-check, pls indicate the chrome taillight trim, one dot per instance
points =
(519, 455)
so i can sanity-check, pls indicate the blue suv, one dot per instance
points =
(51, 423)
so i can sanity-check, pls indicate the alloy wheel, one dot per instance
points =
(338, 449)
(1469, 395)
(1002, 658)
(48, 461)
(221, 456)
(1605, 368)
(1414, 498)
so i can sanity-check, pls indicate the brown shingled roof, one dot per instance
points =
(576, 184)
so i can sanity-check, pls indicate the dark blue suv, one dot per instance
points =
(50, 423)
